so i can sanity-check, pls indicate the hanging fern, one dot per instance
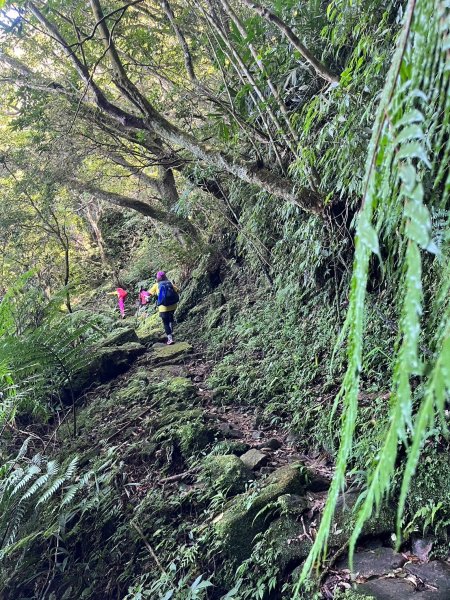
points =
(407, 175)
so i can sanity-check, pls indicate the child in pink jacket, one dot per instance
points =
(121, 295)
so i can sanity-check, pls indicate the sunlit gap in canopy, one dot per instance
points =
(9, 18)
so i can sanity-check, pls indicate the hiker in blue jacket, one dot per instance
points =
(168, 299)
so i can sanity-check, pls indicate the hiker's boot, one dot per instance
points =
(169, 340)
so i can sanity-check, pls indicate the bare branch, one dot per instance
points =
(268, 15)
(181, 39)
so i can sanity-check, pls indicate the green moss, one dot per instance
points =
(431, 483)
(214, 317)
(242, 519)
(164, 353)
(285, 535)
(193, 437)
(181, 388)
(379, 524)
(121, 336)
(226, 473)
(150, 330)
(179, 416)
(164, 373)
(185, 428)
(136, 390)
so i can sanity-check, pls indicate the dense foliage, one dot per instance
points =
(288, 163)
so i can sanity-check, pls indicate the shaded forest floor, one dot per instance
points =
(196, 491)
(213, 482)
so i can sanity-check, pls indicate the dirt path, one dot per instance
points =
(240, 423)
(385, 574)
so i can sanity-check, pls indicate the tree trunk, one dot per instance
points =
(168, 218)
(93, 221)
(157, 124)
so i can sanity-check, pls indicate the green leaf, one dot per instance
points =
(408, 176)
(369, 238)
(413, 116)
(413, 150)
(409, 133)
(418, 225)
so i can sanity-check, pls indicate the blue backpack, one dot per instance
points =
(167, 296)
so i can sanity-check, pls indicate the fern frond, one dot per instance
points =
(71, 468)
(410, 126)
(28, 475)
(51, 490)
(37, 485)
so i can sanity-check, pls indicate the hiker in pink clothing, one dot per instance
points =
(121, 295)
(144, 297)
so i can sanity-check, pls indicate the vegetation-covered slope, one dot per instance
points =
(287, 163)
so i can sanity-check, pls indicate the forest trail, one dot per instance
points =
(270, 455)
(231, 422)
(286, 165)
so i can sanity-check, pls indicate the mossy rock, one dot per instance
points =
(107, 363)
(214, 317)
(226, 473)
(200, 309)
(136, 390)
(185, 428)
(121, 336)
(286, 537)
(193, 437)
(230, 447)
(181, 388)
(216, 299)
(244, 517)
(150, 330)
(431, 484)
(164, 353)
(382, 524)
(292, 505)
(166, 372)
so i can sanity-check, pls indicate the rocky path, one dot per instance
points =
(296, 485)
(378, 571)
(240, 423)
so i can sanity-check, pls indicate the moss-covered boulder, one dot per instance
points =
(164, 353)
(382, 524)
(194, 436)
(431, 484)
(215, 316)
(121, 336)
(150, 329)
(185, 429)
(180, 388)
(107, 363)
(163, 373)
(287, 537)
(226, 473)
(245, 516)
(135, 390)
